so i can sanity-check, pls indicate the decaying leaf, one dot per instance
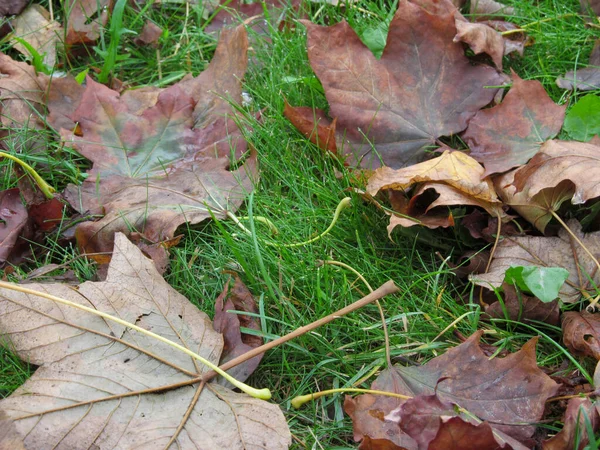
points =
(13, 217)
(314, 124)
(509, 134)
(164, 157)
(523, 308)
(574, 429)
(149, 35)
(559, 251)
(482, 39)
(10, 7)
(102, 385)
(228, 324)
(454, 176)
(85, 19)
(34, 26)
(423, 87)
(507, 392)
(485, 8)
(436, 425)
(587, 78)
(581, 333)
(235, 11)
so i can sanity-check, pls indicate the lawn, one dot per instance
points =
(299, 189)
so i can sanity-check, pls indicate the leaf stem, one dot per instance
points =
(263, 394)
(46, 189)
(297, 402)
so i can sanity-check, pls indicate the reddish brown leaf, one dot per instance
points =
(507, 392)
(423, 87)
(161, 160)
(228, 324)
(509, 134)
(591, 7)
(575, 425)
(559, 251)
(63, 97)
(523, 308)
(13, 218)
(314, 124)
(457, 434)
(149, 35)
(10, 7)
(485, 8)
(85, 19)
(482, 39)
(586, 79)
(47, 215)
(237, 11)
(581, 333)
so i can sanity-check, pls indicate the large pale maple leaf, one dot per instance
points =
(102, 385)
(162, 157)
(423, 87)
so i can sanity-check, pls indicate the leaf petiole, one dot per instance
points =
(263, 394)
(46, 189)
(297, 402)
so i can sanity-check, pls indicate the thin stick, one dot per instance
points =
(385, 289)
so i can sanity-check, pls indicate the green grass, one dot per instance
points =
(299, 190)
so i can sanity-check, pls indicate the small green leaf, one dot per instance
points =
(80, 77)
(583, 120)
(375, 38)
(543, 282)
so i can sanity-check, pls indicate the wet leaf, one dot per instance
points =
(507, 392)
(229, 324)
(509, 134)
(162, 157)
(102, 385)
(559, 251)
(583, 119)
(423, 87)
(581, 333)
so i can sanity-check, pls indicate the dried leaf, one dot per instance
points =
(314, 124)
(94, 386)
(85, 19)
(485, 8)
(13, 218)
(161, 163)
(10, 7)
(574, 429)
(509, 134)
(423, 87)
(35, 27)
(507, 392)
(63, 97)
(559, 251)
(581, 333)
(586, 79)
(149, 35)
(482, 39)
(228, 324)
(523, 308)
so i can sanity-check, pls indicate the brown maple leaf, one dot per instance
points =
(101, 384)
(507, 392)
(509, 134)
(84, 20)
(575, 429)
(164, 157)
(581, 333)
(423, 87)
(561, 251)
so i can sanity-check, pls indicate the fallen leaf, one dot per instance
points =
(482, 39)
(591, 7)
(559, 161)
(149, 35)
(583, 119)
(586, 79)
(11, 7)
(13, 218)
(233, 12)
(435, 425)
(314, 124)
(509, 134)
(160, 163)
(85, 19)
(423, 87)
(34, 26)
(559, 251)
(62, 98)
(574, 429)
(485, 8)
(581, 333)
(523, 308)
(100, 384)
(507, 392)
(229, 325)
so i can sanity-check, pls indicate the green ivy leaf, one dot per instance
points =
(583, 119)
(543, 282)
